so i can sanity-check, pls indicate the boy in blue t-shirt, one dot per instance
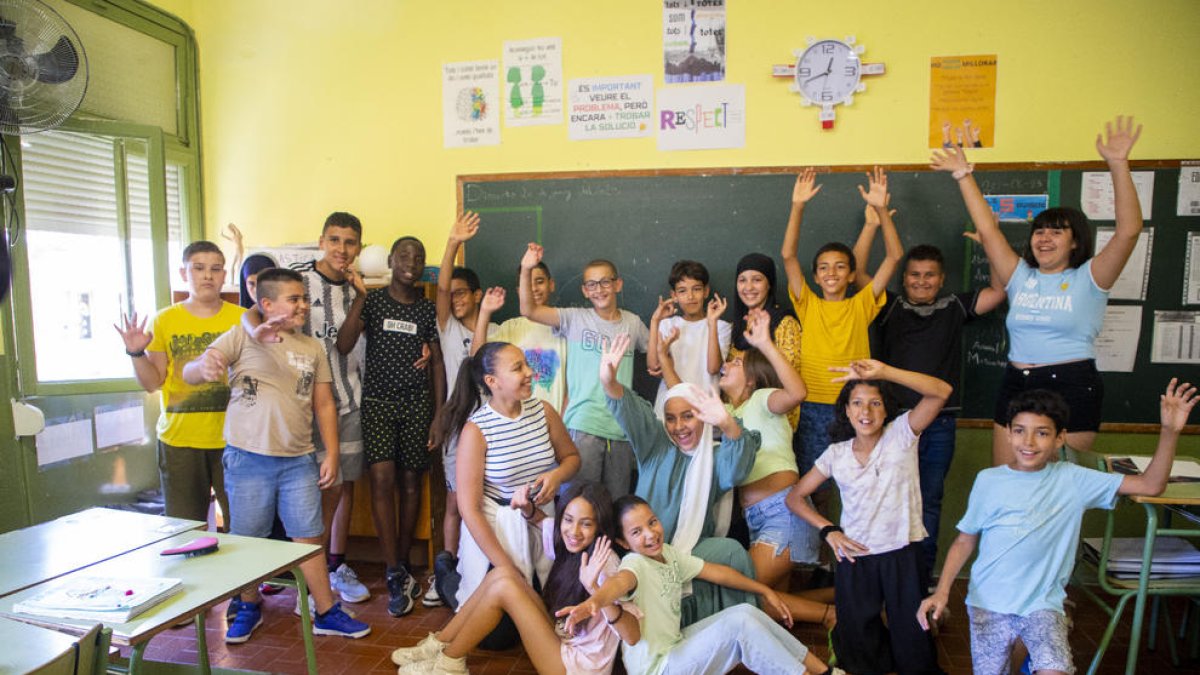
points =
(1026, 517)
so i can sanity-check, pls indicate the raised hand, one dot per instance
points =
(268, 331)
(758, 328)
(134, 334)
(877, 193)
(1176, 404)
(716, 307)
(533, 256)
(493, 300)
(973, 235)
(591, 567)
(610, 359)
(665, 309)
(465, 227)
(806, 187)
(665, 358)
(949, 159)
(356, 281)
(1120, 140)
(871, 216)
(863, 369)
(709, 407)
(213, 365)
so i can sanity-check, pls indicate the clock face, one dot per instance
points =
(828, 72)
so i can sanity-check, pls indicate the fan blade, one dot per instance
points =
(59, 64)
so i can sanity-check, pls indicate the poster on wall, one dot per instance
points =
(533, 84)
(1188, 203)
(1098, 200)
(702, 118)
(693, 41)
(962, 101)
(610, 107)
(470, 115)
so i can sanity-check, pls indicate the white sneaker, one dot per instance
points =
(345, 583)
(425, 650)
(431, 597)
(439, 665)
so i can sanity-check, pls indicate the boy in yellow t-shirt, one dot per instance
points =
(835, 322)
(190, 439)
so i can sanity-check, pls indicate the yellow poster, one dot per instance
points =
(962, 101)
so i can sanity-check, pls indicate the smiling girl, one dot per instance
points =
(583, 561)
(874, 461)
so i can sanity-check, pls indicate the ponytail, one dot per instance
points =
(469, 388)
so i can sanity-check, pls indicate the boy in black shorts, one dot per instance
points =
(398, 407)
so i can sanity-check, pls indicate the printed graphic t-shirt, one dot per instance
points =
(587, 335)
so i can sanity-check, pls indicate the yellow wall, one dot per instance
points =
(310, 106)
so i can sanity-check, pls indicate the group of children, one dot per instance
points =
(550, 458)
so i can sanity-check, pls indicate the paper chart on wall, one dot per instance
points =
(1116, 345)
(1135, 277)
(470, 104)
(1176, 337)
(119, 425)
(63, 439)
(1191, 270)
(533, 89)
(1097, 193)
(1188, 203)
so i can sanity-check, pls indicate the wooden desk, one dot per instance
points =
(28, 648)
(35, 554)
(207, 581)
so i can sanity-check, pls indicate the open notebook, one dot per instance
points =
(108, 600)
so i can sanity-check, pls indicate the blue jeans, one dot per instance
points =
(260, 486)
(812, 432)
(935, 451)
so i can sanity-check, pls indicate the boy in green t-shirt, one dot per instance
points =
(190, 440)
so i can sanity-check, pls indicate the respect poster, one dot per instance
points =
(702, 117)
(962, 101)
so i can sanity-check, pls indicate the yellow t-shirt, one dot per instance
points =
(835, 333)
(192, 416)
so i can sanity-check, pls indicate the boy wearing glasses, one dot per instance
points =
(604, 452)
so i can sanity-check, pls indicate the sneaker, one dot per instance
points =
(402, 591)
(431, 597)
(424, 650)
(445, 567)
(312, 608)
(249, 617)
(231, 610)
(439, 665)
(268, 588)
(345, 583)
(337, 622)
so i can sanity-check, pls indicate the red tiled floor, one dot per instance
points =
(278, 648)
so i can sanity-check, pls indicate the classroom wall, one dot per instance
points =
(308, 106)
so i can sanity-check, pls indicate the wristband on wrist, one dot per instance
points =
(136, 355)
(620, 613)
(960, 174)
(828, 529)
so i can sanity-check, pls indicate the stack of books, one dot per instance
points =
(1174, 557)
(108, 600)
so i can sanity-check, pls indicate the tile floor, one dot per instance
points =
(277, 647)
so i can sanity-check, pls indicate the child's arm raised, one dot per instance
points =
(758, 334)
(542, 314)
(666, 362)
(464, 227)
(877, 197)
(1002, 257)
(716, 307)
(797, 503)
(150, 368)
(664, 309)
(960, 551)
(610, 360)
(326, 414)
(1109, 262)
(862, 246)
(933, 391)
(988, 298)
(1175, 405)
(804, 190)
(723, 575)
(618, 586)
(493, 300)
(624, 623)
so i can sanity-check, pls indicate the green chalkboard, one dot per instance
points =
(644, 221)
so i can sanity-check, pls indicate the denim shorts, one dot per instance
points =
(350, 447)
(260, 485)
(773, 524)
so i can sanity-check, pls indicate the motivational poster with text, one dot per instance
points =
(701, 117)
(962, 101)
(610, 107)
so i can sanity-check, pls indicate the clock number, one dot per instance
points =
(827, 48)
(826, 96)
(851, 71)
(805, 72)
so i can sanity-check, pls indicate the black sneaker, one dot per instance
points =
(445, 566)
(402, 591)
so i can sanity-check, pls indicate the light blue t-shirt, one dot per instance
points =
(1028, 525)
(587, 335)
(1053, 317)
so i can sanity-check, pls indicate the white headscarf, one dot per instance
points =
(697, 482)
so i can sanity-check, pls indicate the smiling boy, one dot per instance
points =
(703, 339)
(1026, 518)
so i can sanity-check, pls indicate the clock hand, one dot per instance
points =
(815, 77)
(829, 68)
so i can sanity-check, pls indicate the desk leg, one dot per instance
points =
(310, 652)
(202, 645)
(135, 658)
(1139, 607)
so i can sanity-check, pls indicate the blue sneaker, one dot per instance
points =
(249, 617)
(337, 622)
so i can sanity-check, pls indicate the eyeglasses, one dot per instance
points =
(594, 284)
(460, 293)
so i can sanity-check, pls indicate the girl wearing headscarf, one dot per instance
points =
(756, 290)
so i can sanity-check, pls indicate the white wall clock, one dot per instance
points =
(828, 73)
